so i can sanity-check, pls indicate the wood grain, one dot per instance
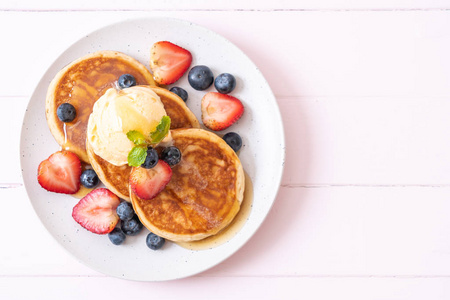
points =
(327, 231)
(52, 288)
(368, 53)
(232, 5)
(363, 90)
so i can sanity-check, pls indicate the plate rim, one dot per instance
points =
(275, 111)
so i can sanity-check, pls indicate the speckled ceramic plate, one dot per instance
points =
(262, 154)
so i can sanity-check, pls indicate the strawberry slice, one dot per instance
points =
(60, 173)
(220, 111)
(147, 183)
(168, 62)
(96, 211)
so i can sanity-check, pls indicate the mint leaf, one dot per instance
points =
(161, 130)
(138, 153)
(136, 137)
(137, 156)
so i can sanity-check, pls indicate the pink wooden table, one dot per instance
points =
(362, 212)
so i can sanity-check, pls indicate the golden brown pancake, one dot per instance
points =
(204, 194)
(115, 178)
(81, 83)
(180, 115)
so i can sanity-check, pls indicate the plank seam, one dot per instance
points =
(309, 186)
(232, 10)
(13, 185)
(318, 276)
(318, 97)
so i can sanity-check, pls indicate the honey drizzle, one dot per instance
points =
(83, 191)
(231, 230)
(64, 146)
(83, 84)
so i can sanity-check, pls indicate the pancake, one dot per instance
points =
(115, 178)
(81, 83)
(204, 194)
(180, 115)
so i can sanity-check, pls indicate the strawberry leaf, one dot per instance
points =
(137, 156)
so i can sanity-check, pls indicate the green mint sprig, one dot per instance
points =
(161, 130)
(138, 153)
(136, 137)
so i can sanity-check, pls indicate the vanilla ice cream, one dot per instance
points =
(118, 112)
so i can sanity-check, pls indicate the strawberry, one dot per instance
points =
(220, 111)
(147, 183)
(96, 211)
(168, 62)
(60, 173)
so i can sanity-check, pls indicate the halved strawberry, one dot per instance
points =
(220, 111)
(96, 211)
(60, 173)
(168, 62)
(147, 183)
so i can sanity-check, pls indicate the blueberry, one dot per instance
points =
(171, 155)
(66, 112)
(89, 178)
(200, 77)
(125, 211)
(154, 241)
(180, 92)
(126, 81)
(152, 158)
(233, 140)
(116, 236)
(225, 83)
(132, 226)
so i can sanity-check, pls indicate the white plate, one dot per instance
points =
(262, 154)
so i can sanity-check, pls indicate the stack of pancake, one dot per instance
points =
(207, 186)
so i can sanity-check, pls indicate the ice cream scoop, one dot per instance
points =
(118, 112)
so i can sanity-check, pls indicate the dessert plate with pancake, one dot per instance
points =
(198, 236)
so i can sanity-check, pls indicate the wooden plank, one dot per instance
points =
(251, 5)
(334, 231)
(347, 53)
(11, 116)
(353, 231)
(55, 288)
(366, 141)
